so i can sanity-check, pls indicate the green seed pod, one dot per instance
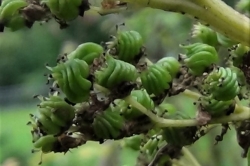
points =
(142, 97)
(200, 57)
(171, 64)
(225, 41)
(165, 110)
(46, 125)
(180, 136)
(108, 124)
(45, 140)
(156, 79)
(60, 112)
(128, 45)
(216, 108)
(238, 53)
(71, 77)
(205, 34)
(87, 52)
(66, 10)
(10, 16)
(115, 72)
(221, 84)
(151, 146)
(133, 142)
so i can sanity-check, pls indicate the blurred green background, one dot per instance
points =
(22, 58)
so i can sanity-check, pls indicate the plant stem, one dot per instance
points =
(214, 13)
(190, 157)
(244, 114)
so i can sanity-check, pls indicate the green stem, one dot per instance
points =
(190, 157)
(215, 13)
(244, 114)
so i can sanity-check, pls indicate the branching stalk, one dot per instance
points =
(244, 114)
(214, 13)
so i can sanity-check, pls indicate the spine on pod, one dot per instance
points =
(156, 79)
(221, 84)
(216, 108)
(72, 78)
(115, 73)
(200, 57)
(171, 64)
(87, 52)
(127, 45)
(205, 34)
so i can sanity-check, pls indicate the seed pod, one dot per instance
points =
(66, 10)
(129, 112)
(152, 145)
(156, 79)
(237, 54)
(180, 136)
(205, 34)
(127, 45)
(133, 142)
(71, 77)
(225, 41)
(10, 15)
(171, 64)
(87, 52)
(115, 73)
(200, 57)
(60, 112)
(217, 108)
(221, 84)
(108, 124)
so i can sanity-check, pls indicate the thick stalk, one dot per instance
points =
(214, 13)
(242, 113)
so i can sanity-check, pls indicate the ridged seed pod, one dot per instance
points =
(152, 145)
(108, 124)
(171, 64)
(156, 79)
(199, 57)
(142, 97)
(238, 53)
(115, 72)
(205, 34)
(165, 110)
(66, 10)
(217, 108)
(133, 142)
(225, 41)
(87, 52)
(127, 45)
(71, 77)
(180, 136)
(54, 116)
(222, 84)
(10, 16)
